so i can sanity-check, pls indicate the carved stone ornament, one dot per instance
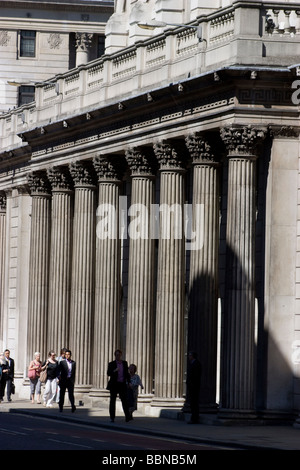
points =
(4, 38)
(54, 40)
(2, 202)
(81, 174)
(83, 41)
(38, 184)
(138, 162)
(167, 156)
(106, 169)
(285, 131)
(200, 150)
(242, 140)
(60, 179)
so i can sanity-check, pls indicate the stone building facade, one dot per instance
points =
(150, 201)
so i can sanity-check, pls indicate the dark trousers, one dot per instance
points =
(63, 386)
(194, 404)
(121, 390)
(5, 382)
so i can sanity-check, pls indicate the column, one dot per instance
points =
(140, 306)
(83, 266)
(108, 275)
(38, 264)
(238, 342)
(60, 260)
(83, 44)
(169, 339)
(203, 282)
(2, 260)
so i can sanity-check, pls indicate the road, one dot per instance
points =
(20, 432)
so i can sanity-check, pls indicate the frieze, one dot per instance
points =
(265, 96)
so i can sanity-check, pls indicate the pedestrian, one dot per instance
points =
(67, 371)
(3, 365)
(8, 372)
(59, 359)
(133, 389)
(193, 386)
(117, 385)
(52, 376)
(34, 370)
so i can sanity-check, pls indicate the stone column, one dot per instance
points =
(140, 307)
(39, 264)
(83, 44)
(2, 259)
(203, 282)
(238, 342)
(169, 340)
(83, 266)
(60, 259)
(108, 275)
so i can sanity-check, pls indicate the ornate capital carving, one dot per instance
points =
(106, 169)
(59, 178)
(83, 41)
(167, 156)
(39, 184)
(241, 141)
(285, 131)
(2, 202)
(200, 150)
(139, 162)
(81, 174)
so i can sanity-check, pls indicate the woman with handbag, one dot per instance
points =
(52, 367)
(34, 371)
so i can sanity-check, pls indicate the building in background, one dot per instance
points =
(150, 202)
(40, 39)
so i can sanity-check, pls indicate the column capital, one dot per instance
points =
(39, 184)
(60, 179)
(200, 150)
(83, 41)
(2, 202)
(167, 156)
(82, 174)
(106, 169)
(140, 162)
(242, 140)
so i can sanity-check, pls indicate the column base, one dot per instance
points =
(235, 416)
(98, 397)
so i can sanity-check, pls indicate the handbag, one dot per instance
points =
(32, 374)
(13, 388)
(43, 376)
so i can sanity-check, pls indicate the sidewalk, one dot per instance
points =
(252, 437)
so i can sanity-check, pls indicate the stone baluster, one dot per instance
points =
(83, 267)
(140, 307)
(169, 341)
(108, 275)
(203, 282)
(39, 264)
(60, 259)
(238, 342)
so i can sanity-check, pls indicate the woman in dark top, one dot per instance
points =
(51, 383)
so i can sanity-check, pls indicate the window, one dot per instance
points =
(26, 94)
(101, 46)
(27, 43)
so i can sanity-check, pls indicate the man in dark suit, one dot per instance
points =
(117, 385)
(67, 371)
(8, 373)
